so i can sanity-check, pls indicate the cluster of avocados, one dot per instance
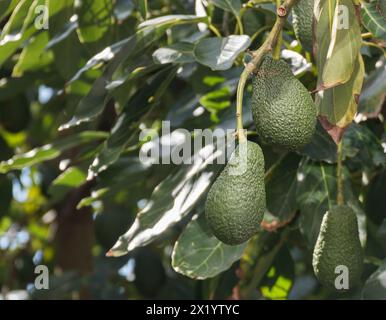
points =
(285, 116)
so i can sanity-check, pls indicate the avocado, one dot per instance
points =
(236, 201)
(338, 244)
(283, 110)
(303, 12)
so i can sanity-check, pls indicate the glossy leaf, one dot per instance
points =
(321, 147)
(172, 20)
(375, 286)
(233, 6)
(95, 19)
(220, 53)
(281, 188)
(338, 38)
(339, 104)
(198, 254)
(373, 20)
(73, 177)
(50, 151)
(135, 108)
(373, 93)
(181, 52)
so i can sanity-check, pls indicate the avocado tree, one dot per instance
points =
(120, 125)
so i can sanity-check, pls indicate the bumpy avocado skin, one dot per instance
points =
(338, 244)
(282, 108)
(236, 202)
(302, 22)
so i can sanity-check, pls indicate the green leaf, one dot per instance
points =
(375, 286)
(170, 20)
(33, 56)
(6, 7)
(373, 92)
(18, 29)
(373, 20)
(50, 151)
(321, 147)
(64, 43)
(339, 104)
(362, 148)
(381, 7)
(281, 188)
(220, 53)
(233, 6)
(198, 254)
(72, 178)
(181, 52)
(94, 19)
(338, 38)
(93, 104)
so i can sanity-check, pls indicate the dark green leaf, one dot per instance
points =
(233, 6)
(375, 286)
(362, 147)
(373, 92)
(198, 254)
(373, 20)
(321, 147)
(281, 188)
(181, 52)
(168, 21)
(121, 134)
(72, 178)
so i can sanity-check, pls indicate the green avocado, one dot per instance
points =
(338, 244)
(302, 22)
(236, 201)
(283, 110)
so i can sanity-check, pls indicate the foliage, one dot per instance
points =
(76, 98)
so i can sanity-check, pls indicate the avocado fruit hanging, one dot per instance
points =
(236, 201)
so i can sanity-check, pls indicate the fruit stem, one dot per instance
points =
(339, 174)
(214, 30)
(257, 56)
